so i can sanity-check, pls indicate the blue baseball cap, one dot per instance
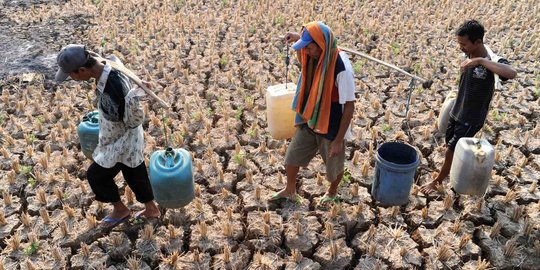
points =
(303, 41)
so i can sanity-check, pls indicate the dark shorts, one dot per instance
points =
(457, 130)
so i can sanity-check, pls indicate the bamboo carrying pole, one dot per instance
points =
(132, 76)
(425, 83)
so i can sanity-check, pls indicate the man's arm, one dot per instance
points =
(291, 37)
(134, 113)
(503, 70)
(336, 145)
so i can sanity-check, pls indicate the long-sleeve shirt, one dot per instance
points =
(121, 138)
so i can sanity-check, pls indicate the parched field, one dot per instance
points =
(213, 60)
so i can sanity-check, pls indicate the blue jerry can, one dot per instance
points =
(171, 177)
(88, 131)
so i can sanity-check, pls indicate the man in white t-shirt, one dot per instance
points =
(308, 140)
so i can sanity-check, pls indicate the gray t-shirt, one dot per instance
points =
(475, 92)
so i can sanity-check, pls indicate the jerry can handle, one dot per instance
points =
(169, 157)
(477, 143)
(93, 118)
(90, 117)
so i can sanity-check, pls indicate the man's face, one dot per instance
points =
(313, 50)
(466, 45)
(82, 74)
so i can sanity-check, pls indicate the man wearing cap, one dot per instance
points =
(121, 141)
(324, 103)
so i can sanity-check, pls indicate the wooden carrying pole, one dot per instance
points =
(426, 83)
(133, 77)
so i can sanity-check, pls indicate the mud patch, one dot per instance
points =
(26, 37)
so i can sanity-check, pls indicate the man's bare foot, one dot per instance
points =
(151, 210)
(331, 192)
(429, 187)
(119, 214)
(119, 211)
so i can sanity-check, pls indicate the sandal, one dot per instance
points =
(326, 200)
(108, 223)
(276, 198)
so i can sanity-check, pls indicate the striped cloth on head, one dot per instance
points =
(313, 98)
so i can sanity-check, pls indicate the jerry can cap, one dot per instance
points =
(92, 117)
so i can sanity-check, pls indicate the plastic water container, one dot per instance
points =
(471, 166)
(395, 167)
(279, 114)
(171, 177)
(444, 115)
(88, 131)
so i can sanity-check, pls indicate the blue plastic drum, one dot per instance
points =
(395, 168)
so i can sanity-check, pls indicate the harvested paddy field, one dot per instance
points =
(213, 61)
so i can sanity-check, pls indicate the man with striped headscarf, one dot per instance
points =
(324, 105)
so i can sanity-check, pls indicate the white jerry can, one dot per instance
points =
(471, 166)
(279, 113)
(444, 115)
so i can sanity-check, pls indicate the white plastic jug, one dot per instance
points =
(444, 115)
(471, 166)
(279, 113)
